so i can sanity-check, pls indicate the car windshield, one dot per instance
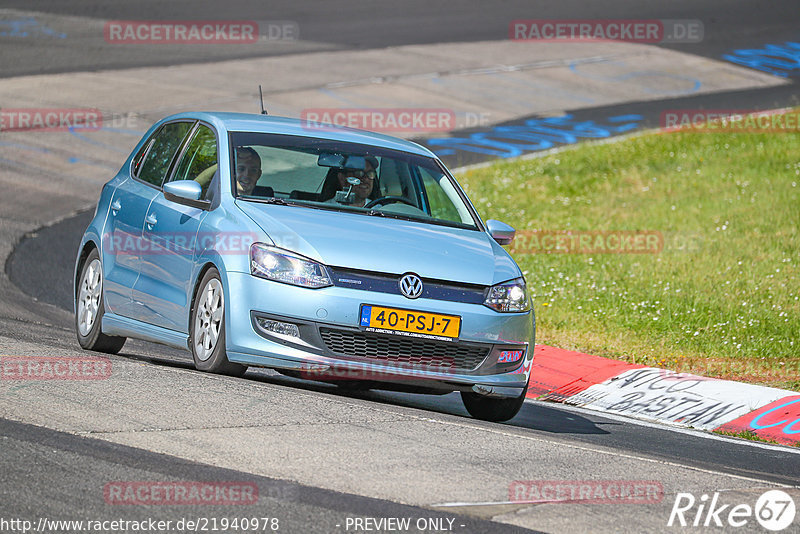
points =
(341, 176)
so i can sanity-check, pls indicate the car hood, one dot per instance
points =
(385, 245)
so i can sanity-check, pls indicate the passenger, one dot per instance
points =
(248, 171)
(363, 193)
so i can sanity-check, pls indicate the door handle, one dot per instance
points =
(151, 221)
(115, 207)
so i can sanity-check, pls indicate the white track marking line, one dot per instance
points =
(614, 453)
(380, 407)
(667, 426)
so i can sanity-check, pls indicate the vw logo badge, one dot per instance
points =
(410, 286)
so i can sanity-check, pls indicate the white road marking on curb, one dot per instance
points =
(684, 399)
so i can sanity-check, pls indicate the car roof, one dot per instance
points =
(252, 122)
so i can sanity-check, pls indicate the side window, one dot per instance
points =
(136, 165)
(199, 161)
(164, 145)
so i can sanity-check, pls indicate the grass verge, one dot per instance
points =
(746, 434)
(720, 298)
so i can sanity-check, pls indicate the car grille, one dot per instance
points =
(388, 283)
(418, 353)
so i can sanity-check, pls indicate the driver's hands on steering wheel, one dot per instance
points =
(389, 200)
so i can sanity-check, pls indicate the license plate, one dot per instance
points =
(409, 323)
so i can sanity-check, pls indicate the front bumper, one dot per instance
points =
(320, 312)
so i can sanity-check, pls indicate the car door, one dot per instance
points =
(163, 289)
(122, 252)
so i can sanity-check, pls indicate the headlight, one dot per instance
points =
(283, 266)
(509, 297)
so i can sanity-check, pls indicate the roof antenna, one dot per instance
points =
(261, 97)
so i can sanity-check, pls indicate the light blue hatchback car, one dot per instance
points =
(324, 253)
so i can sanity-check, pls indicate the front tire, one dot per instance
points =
(89, 309)
(207, 337)
(490, 409)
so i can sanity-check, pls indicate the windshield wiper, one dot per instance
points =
(270, 200)
(376, 213)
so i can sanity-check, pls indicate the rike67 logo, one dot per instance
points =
(774, 510)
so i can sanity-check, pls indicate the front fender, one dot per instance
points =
(224, 240)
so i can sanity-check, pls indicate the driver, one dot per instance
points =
(365, 191)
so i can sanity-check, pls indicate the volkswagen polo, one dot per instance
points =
(324, 253)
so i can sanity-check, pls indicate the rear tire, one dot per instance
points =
(207, 333)
(89, 309)
(491, 409)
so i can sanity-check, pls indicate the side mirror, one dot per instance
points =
(186, 192)
(500, 232)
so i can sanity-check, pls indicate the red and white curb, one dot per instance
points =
(664, 396)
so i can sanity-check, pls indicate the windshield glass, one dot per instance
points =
(342, 176)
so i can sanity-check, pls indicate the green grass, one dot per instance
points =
(723, 296)
(748, 434)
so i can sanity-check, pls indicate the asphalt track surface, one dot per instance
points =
(60, 471)
(72, 468)
(43, 271)
(352, 24)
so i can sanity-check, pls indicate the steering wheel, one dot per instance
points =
(388, 200)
